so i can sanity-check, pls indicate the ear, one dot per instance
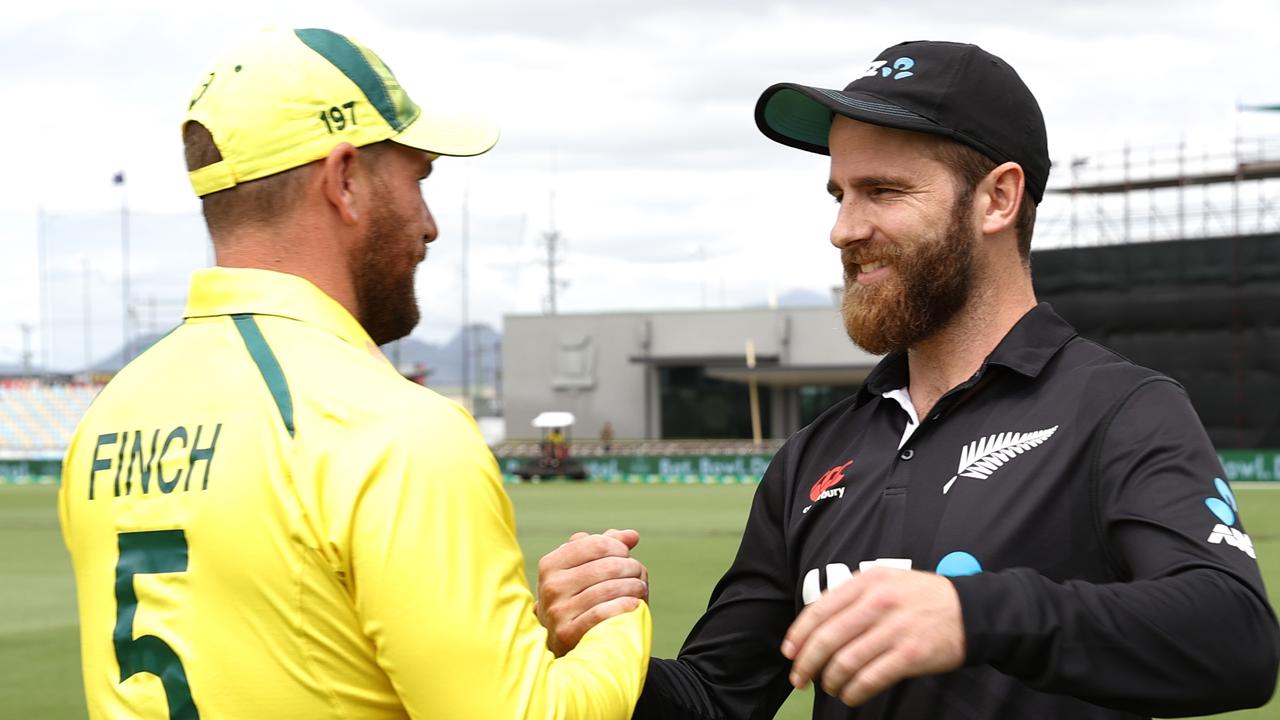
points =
(337, 171)
(999, 197)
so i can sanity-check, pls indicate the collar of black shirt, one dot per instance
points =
(1028, 346)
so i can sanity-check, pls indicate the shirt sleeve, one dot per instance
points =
(1187, 628)
(731, 665)
(438, 584)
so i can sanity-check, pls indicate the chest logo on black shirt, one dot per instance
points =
(825, 487)
(980, 458)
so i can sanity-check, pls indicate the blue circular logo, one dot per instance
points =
(958, 564)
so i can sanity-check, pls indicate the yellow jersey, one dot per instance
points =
(267, 521)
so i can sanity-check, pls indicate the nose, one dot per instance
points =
(852, 224)
(430, 231)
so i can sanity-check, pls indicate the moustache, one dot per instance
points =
(851, 258)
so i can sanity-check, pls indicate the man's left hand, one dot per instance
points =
(877, 628)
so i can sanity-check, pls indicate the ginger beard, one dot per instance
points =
(384, 267)
(931, 281)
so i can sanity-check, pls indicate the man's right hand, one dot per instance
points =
(587, 580)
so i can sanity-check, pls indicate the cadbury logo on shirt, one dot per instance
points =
(825, 487)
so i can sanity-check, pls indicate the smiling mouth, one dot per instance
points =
(870, 267)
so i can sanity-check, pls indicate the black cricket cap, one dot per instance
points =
(951, 89)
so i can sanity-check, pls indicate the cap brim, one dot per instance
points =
(454, 135)
(800, 116)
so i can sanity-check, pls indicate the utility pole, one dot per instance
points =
(26, 348)
(464, 337)
(552, 238)
(701, 253)
(753, 391)
(124, 267)
(497, 377)
(43, 255)
(88, 322)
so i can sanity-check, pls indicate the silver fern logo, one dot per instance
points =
(982, 457)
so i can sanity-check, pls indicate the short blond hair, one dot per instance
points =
(260, 202)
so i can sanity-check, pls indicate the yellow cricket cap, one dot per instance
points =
(283, 98)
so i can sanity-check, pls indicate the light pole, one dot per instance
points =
(124, 267)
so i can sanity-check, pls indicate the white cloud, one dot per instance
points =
(638, 114)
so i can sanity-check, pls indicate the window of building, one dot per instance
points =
(696, 406)
(815, 399)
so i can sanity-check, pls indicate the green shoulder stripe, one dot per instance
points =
(267, 364)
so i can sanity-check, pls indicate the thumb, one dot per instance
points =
(630, 538)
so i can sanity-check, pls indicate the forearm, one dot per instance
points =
(1194, 643)
(441, 594)
(600, 678)
(674, 690)
(731, 666)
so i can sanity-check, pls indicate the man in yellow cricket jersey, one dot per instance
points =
(266, 520)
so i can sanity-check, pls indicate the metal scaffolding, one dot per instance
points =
(1164, 193)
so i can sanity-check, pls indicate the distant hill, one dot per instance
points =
(443, 362)
(797, 297)
(800, 297)
(7, 370)
(112, 362)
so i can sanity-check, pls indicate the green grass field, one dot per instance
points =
(689, 535)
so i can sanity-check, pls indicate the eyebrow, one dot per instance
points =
(871, 181)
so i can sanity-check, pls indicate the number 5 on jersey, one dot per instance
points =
(145, 553)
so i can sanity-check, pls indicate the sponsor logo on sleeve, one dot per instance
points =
(1225, 509)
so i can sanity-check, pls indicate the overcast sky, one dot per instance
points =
(637, 115)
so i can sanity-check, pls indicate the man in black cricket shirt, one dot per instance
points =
(1007, 520)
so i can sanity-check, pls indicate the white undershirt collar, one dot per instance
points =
(903, 399)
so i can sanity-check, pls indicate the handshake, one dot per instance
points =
(586, 581)
(859, 638)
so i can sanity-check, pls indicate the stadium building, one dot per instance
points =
(1169, 258)
(680, 374)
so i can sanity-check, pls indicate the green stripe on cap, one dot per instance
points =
(359, 67)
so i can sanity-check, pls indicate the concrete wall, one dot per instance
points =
(530, 348)
(601, 366)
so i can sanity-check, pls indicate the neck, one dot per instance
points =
(298, 253)
(954, 353)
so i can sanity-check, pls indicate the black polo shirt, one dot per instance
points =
(1076, 503)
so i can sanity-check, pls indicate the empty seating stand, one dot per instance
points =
(38, 420)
